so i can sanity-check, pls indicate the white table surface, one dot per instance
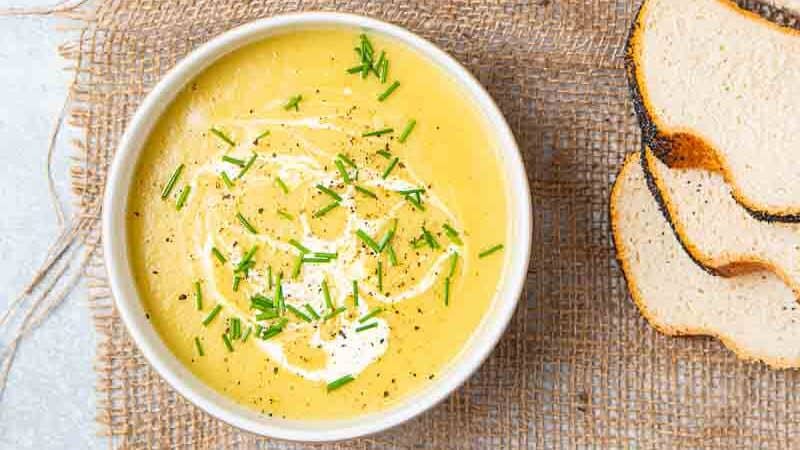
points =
(49, 402)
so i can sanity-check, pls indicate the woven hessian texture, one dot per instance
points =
(578, 367)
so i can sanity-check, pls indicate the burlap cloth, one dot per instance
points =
(578, 367)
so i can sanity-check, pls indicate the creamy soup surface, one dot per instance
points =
(313, 241)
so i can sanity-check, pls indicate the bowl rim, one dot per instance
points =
(174, 372)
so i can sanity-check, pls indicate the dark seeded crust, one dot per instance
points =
(736, 265)
(679, 148)
(636, 296)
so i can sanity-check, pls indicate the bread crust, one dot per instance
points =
(623, 252)
(682, 147)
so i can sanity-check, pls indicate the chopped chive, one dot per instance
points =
(218, 254)
(385, 154)
(316, 260)
(220, 134)
(447, 291)
(414, 199)
(285, 215)
(267, 315)
(172, 180)
(294, 243)
(366, 192)
(326, 294)
(380, 132)
(298, 266)
(390, 168)
(271, 333)
(279, 301)
(236, 328)
(298, 313)
(366, 327)
(247, 166)
(259, 329)
(198, 346)
(385, 70)
(294, 102)
(227, 342)
(392, 255)
(429, 239)
(379, 64)
(245, 223)
(452, 234)
(335, 313)
(211, 315)
(326, 255)
(234, 161)
(236, 280)
(491, 250)
(407, 130)
(258, 138)
(282, 185)
(226, 179)
(388, 91)
(311, 311)
(246, 259)
(325, 210)
(356, 69)
(198, 296)
(336, 384)
(411, 191)
(368, 241)
(330, 192)
(366, 45)
(453, 263)
(261, 303)
(269, 276)
(347, 160)
(418, 242)
(342, 171)
(388, 236)
(182, 197)
(379, 270)
(371, 314)
(355, 293)
(247, 334)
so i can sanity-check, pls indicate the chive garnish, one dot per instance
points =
(261, 303)
(315, 260)
(285, 214)
(366, 327)
(366, 192)
(356, 69)
(198, 296)
(342, 171)
(182, 197)
(385, 154)
(347, 160)
(429, 239)
(326, 294)
(379, 64)
(243, 264)
(247, 166)
(414, 191)
(388, 236)
(355, 293)
(269, 276)
(325, 210)
(245, 223)
(282, 185)
(247, 334)
(385, 70)
(218, 254)
(294, 102)
(330, 192)
(371, 314)
(452, 234)
(336, 384)
(279, 301)
(298, 313)
(198, 346)
(220, 134)
(236, 328)
(335, 313)
(368, 241)
(211, 315)
(311, 311)
(392, 255)
(267, 315)
(380, 276)
(416, 201)
(390, 168)
(259, 329)
(447, 291)
(388, 91)
(491, 250)
(326, 255)
(226, 179)
(294, 243)
(298, 266)
(172, 180)
(236, 280)
(407, 130)
(227, 342)
(453, 263)
(258, 138)
(270, 333)
(234, 161)
(380, 132)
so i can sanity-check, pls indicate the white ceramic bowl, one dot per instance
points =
(130, 309)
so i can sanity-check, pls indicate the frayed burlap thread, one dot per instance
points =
(578, 367)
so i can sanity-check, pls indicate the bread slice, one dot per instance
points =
(718, 87)
(754, 314)
(716, 231)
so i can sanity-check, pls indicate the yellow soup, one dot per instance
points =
(298, 244)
